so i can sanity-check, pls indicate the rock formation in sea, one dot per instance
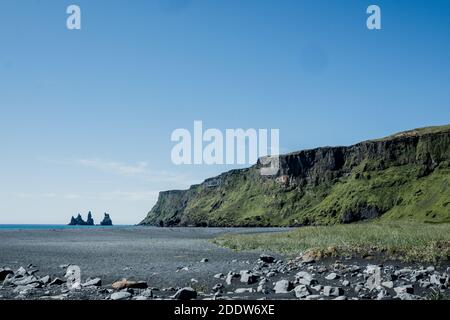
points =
(89, 221)
(106, 220)
(78, 221)
(403, 176)
(73, 221)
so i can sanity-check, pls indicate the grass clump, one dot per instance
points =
(406, 241)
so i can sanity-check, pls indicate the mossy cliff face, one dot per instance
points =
(404, 176)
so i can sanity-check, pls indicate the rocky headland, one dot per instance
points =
(403, 176)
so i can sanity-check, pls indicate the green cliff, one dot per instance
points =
(403, 176)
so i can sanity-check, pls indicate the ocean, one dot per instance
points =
(52, 226)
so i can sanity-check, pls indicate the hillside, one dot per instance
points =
(403, 176)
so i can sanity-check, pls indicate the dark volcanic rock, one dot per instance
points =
(185, 294)
(106, 220)
(4, 273)
(89, 221)
(266, 258)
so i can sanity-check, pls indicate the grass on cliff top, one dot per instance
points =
(406, 241)
(419, 131)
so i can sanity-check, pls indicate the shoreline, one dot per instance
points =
(169, 259)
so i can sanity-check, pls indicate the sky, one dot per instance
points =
(86, 115)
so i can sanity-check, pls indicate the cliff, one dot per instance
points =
(403, 176)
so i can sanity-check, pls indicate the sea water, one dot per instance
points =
(51, 226)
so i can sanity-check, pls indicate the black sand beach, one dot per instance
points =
(142, 253)
(182, 263)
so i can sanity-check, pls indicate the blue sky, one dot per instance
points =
(86, 116)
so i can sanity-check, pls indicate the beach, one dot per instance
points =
(159, 263)
(143, 253)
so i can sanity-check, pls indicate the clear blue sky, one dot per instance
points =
(86, 116)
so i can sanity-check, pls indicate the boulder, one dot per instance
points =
(25, 281)
(308, 257)
(56, 282)
(388, 284)
(21, 272)
(231, 276)
(244, 290)
(4, 273)
(128, 284)
(121, 295)
(266, 258)
(302, 291)
(97, 282)
(217, 287)
(305, 278)
(248, 277)
(404, 289)
(333, 291)
(437, 280)
(283, 286)
(148, 293)
(185, 294)
(45, 280)
(332, 276)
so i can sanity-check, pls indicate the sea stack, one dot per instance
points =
(78, 221)
(106, 220)
(90, 221)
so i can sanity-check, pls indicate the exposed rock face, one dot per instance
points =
(73, 221)
(106, 220)
(78, 221)
(406, 175)
(89, 221)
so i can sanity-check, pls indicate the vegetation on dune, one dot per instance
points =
(405, 241)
